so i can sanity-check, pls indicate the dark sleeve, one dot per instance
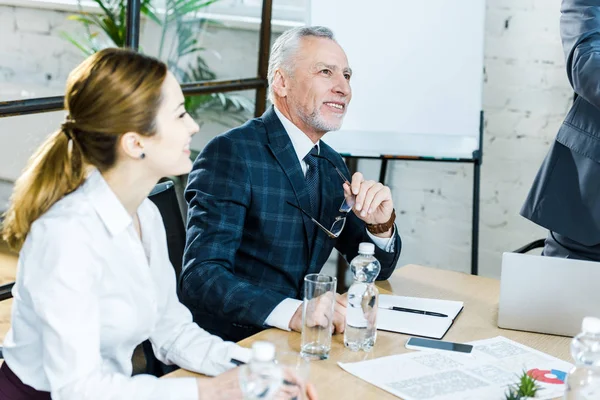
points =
(580, 33)
(355, 233)
(218, 195)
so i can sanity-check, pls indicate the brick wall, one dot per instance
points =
(526, 95)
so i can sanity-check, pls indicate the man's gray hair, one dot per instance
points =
(285, 47)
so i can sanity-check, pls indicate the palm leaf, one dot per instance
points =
(105, 8)
(182, 7)
(148, 10)
(87, 50)
(216, 107)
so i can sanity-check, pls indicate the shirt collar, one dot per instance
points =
(302, 143)
(109, 208)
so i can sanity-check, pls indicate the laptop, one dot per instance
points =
(547, 294)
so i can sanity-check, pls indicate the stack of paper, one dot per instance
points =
(416, 324)
(486, 373)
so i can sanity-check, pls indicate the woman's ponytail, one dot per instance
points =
(54, 170)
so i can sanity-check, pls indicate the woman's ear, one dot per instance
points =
(132, 145)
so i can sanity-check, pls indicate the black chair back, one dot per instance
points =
(165, 198)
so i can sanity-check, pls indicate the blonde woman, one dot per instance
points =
(94, 278)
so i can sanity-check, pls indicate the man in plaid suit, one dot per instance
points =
(264, 199)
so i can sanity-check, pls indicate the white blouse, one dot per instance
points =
(88, 291)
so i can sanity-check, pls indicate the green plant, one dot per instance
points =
(179, 25)
(526, 388)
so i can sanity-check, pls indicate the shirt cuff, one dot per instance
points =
(242, 354)
(385, 244)
(281, 315)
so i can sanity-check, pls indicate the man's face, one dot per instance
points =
(319, 86)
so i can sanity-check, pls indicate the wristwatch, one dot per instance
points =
(382, 228)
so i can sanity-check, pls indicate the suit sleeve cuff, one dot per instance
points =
(281, 315)
(385, 244)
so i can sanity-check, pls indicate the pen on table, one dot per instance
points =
(423, 312)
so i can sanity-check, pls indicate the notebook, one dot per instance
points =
(417, 324)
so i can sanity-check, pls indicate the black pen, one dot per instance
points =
(422, 312)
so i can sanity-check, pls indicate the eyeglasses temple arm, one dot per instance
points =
(313, 220)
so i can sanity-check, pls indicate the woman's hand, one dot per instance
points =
(227, 387)
(294, 388)
(222, 387)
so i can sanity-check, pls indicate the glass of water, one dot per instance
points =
(317, 315)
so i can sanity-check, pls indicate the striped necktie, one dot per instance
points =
(312, 180)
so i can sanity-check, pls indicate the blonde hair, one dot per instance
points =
(112, 92)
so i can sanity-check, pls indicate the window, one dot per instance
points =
(283, 10)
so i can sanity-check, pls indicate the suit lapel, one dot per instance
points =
(283, 150)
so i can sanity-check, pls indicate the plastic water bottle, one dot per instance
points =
(583, 382)
(261, 378)
(363, 300)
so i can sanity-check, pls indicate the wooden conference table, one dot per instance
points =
(478, 320)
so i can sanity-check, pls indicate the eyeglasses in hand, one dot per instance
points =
(340, 221)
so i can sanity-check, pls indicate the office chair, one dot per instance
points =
(165, 198)
(5, 294)
(5, 291)
(536, 244)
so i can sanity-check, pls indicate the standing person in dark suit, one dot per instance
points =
(565, 197)
(262, 196)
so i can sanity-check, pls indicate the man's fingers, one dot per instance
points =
(339, 321)
(357, 180)
(368, 203)
(360, 196)
(347, 190)
(383, 195)
(342, 299)
(318, 318)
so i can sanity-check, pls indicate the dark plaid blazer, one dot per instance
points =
(247, 249)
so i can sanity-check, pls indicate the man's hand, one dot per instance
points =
(373, 201)
(318, 315)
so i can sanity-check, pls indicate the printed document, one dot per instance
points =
(486, 373)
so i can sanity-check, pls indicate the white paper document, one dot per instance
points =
(416, 324)
(485, 374)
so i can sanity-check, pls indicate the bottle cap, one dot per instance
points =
(366, 248)
(263, 351)
(590, 325)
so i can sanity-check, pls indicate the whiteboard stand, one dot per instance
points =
(476, 159)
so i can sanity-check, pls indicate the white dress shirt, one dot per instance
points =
(281, 315)
(88, 291)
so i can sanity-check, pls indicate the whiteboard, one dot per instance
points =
(417, 75)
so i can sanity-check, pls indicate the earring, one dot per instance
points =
(142, 156)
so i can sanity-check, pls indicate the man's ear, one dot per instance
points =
(280, 83)
(132, 145)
